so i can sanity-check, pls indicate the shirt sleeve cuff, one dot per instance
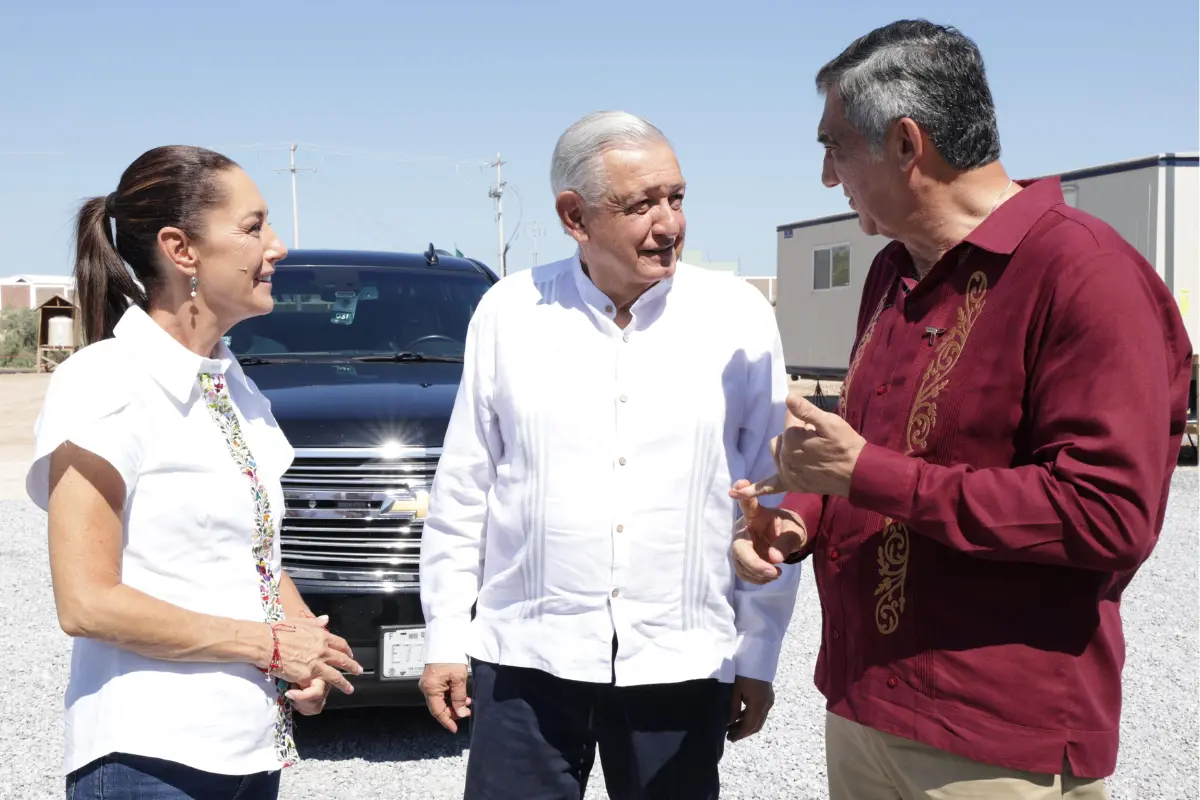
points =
(446, 641)
(885, 482)
(757, 658)
(808, 507)
(111, 438)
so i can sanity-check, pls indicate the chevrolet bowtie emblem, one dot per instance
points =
(418, 506)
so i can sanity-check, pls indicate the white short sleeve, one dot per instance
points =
(89, 403)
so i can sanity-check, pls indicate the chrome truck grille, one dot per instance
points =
(356, 515)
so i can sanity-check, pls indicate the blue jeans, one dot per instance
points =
(125, 777)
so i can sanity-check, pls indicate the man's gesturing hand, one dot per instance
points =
(815, 454)
(764, 537)
(445, 690)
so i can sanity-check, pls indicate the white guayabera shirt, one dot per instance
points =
(191, 518)
(584, 487)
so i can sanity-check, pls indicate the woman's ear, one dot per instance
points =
(178, 251)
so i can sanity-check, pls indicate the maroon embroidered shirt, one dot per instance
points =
(1023, 406)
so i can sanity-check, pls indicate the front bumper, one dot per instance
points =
(359, 614)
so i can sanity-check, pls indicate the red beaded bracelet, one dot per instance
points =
(276, 659)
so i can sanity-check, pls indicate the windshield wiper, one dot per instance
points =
(407, 357)
(254, 361)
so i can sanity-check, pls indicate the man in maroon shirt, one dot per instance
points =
(999, 464)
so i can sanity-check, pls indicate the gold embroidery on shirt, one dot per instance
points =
(923, 417)
(893, 568)
(858, 351)
(893, 553)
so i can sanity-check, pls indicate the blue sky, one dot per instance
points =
(398, 104)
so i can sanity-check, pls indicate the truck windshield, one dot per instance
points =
(354, 311)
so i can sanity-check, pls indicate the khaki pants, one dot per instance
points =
(866, 764)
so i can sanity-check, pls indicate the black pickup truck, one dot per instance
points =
(361, 360)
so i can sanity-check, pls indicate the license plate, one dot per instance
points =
(402, 653)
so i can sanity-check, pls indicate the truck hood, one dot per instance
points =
(349, 404)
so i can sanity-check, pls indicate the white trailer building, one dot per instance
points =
(30, 291)
(1153, 202)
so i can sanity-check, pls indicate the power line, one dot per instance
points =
(520, 215)
(346, 151)
(496, 191)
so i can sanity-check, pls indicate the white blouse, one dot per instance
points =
(201, 511)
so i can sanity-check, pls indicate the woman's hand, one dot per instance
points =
(310, 699)
(308, 652)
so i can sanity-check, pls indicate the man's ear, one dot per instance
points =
(908, 143)
(570, 208)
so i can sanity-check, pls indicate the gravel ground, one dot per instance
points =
(404, 755)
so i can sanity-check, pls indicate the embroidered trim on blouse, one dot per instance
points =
(216, 397)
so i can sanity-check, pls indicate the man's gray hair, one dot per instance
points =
(576, 165)
(932, 74)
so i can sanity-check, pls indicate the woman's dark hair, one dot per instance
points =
(167, 187)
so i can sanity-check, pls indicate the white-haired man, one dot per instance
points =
(582, 507)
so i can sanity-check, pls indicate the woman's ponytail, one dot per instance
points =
(104, 286)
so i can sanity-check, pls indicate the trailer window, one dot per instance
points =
(831, 267)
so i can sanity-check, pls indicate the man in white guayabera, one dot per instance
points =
(582, 503)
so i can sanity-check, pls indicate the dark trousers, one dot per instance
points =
(534, 737)
(126, 777)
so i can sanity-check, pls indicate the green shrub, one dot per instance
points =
(18, 337)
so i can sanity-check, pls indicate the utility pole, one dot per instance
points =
(292, 168)
(497, 193)
(535, 231)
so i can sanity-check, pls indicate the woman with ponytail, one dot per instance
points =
(159, 463)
